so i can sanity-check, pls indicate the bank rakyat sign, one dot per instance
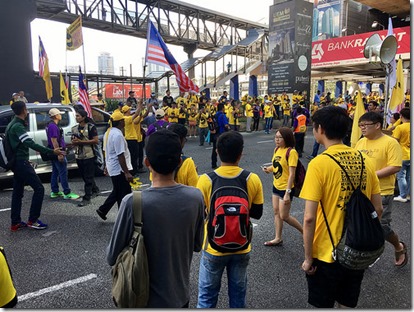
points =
(350, 49)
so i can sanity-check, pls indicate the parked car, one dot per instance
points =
(37, 120)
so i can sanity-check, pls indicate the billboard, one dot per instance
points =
(326, 19)
(290, 42)
(119, 91)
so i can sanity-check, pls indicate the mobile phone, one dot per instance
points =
(265, 165)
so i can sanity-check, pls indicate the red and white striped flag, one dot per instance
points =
(84, 96)
(158, 53)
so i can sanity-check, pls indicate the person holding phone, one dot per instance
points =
(284, 162)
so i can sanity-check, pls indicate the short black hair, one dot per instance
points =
(130, 92)
(220, 107)
(375, 103)
(163, 151)
(18, 107)
(334, 121)
(405, 112)
(373, 117)
(230, 146)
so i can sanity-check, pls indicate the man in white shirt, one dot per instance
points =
(118, 164)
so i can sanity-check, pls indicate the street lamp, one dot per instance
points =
(376, 23)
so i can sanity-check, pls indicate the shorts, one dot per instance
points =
(333, 282)
(386, 215)
(281, 193)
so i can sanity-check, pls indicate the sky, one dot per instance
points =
(126, 50)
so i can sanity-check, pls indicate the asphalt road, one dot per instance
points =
(64, 266)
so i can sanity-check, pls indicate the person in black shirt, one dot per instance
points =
(132, 99)
(168, 99)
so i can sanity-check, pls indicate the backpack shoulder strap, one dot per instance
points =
(137, 208)
(343, 169)
(288, 154)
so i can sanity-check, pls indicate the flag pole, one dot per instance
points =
(386, 101)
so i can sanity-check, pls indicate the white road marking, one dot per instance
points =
(104, 192)
(57, 287)
(6, 209)
(267, 141)
(209, 148)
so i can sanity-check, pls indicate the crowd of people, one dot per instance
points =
(139, 126)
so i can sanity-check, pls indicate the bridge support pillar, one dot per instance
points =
(321, 85)
(234, 87)
(368, 88)
(338, 88)
(253, 85)
(190, 49)
(16, 62)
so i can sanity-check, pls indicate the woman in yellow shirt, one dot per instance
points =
(283, 169)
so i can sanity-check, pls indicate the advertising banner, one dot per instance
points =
(350, 49)
(119, 91)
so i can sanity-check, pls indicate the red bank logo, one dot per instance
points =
(317, 51)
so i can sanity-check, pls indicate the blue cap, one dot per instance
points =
(120, 104)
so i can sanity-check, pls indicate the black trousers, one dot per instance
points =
(256, 121)
(120, 188)
(133, 150)
(300, 141)
(87, 171)
(141, 146)
(213, 139)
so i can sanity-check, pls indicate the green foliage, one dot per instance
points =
(111, 104)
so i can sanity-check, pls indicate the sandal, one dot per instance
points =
(398, 255)
(271, 243)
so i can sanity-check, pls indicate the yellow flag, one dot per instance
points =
(359, 111)
(397, 96)
(64, 94)
(47, 80)
(74, 38)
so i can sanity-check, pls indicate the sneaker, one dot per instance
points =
(18, 226)
(71, 196)
(56, 195)
(84, 203)
(408, 197)
(38, 225)
(400, 199)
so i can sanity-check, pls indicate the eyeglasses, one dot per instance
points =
(364, 125)
(278, 137)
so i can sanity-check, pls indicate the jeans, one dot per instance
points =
(202, 133)
(248, 124)
(60, 170)
(25, 174)
(209, 281)
(120, 188)
(268, 124)
(277, 109)
(286, 120)
(315, 150)
(87, 171)
(404, 179)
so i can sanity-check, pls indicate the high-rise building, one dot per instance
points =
(106, 64)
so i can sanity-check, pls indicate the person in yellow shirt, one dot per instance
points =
(248, 109)
(402, 134)
(181, 99)
(192, 120)
(393, 120)
(385, 152)
(268, 111)
(202, 117)
(131, 135)
(283, 170)
(287, 111)
(277, 102)
(173, 112)
(213, 262)
(234, 115)
(182, 113)
(8, 294)
(329, 282)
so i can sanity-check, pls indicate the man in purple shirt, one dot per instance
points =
(159, 124)
(55, 140)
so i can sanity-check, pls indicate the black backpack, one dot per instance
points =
(229, 228)
(159, 127)
(300, 173)
(7, 155)
(212, 123)
(362, 240)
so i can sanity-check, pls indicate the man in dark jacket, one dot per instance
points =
(223, 126)
(23, 171)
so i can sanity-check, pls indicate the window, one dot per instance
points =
(42, 119)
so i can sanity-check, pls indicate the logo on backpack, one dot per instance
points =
(229, 228)
(7, 155)
(362, 240)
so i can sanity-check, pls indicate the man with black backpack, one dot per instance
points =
(328, 189)
(159, 124)
(231, 195)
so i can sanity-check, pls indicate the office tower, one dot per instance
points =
(106, 64)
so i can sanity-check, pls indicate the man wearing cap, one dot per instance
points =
(15, 98)
(118, 164)
(131, 135)
(55, 139)
(160, 123)
(24, 173)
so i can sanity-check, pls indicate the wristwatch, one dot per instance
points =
(288, 191)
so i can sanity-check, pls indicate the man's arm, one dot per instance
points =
(309, 223)
(122, 230)
(387, 171)
(122, 162)
(377, 203)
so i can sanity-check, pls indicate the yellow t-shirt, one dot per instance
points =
(130, 132)
(286, 109)
(249, 110)
(202, 120)
(187, 173)
(281, 166)
(192, 115)
(254, 192)
(384, 151)
(324, 181)
(173, 114)
(268, 111)
(137, 127)
(402, 133)
(180, 99)
(7, 290)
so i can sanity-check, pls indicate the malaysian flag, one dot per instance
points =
(83, 95)
(158, 53)
(44, 70)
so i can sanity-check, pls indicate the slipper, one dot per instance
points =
(398, 254)
(270, 243)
